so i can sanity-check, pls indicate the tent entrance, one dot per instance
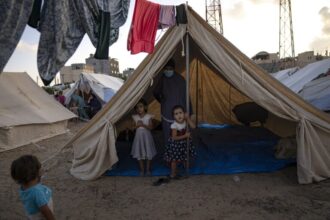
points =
(225, 149)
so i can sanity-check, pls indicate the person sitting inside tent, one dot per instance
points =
(60, 97)
(94, 105)
(78, 106)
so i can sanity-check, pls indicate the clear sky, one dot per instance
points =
(251, 25)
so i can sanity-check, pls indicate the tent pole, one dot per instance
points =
(187, 96)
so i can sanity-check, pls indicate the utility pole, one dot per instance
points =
(214, 15)
(286, 39)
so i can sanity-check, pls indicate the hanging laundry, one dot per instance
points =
(34, 18)
(12, 26)
(63, 24)
(143, 30)
(166, 16)
(181, 16)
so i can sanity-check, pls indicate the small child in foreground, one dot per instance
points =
(36, 198)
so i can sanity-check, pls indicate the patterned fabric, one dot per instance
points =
(12, 26)
(63, 24)
(177, 150)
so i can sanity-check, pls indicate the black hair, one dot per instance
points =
(171, 63)
(25, 169)
(144, 103)
(177, 107)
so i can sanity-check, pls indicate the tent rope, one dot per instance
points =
(242, 74)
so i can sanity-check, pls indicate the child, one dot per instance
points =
(143, 148)
(36, 198)
(176, 150)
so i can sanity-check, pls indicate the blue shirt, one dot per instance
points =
(35, 197)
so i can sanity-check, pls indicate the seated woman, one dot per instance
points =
(94, 105)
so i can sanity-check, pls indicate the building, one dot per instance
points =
(109, 66)
(70, 74)
(272, 63)
(128, 72)
(268, 61)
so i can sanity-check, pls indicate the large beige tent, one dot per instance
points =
(27, 113)
(220, 77)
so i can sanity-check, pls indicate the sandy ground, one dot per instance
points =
(255, 196)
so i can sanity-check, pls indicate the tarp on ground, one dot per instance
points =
(27, 112)
(221, 77)
(102, 85)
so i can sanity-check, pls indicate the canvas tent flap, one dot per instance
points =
(24, 102)
(251, 82)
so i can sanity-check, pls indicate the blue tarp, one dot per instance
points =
(226, 151)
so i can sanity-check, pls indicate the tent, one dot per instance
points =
(27, 113)
(317, 92)
(296, 79)
(103, 86)
(220, 77)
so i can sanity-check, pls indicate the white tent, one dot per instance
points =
(103, 86)
(27, 112)
(284, 74)
(301, 77)
(317, 92)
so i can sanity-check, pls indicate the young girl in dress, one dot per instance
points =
(143, 148)
(176, 150)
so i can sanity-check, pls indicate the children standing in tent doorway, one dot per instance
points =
(176, 150)
(143, 148)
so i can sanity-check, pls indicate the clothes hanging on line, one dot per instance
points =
(181, 16)
(61, 35)
(166, 16)
(12, 26)
(143, 29)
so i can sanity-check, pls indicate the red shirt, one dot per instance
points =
(143, 30)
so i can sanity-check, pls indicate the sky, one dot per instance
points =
(251, 25)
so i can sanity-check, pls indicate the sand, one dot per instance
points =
(254, 196)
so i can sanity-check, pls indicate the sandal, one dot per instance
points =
(161, 181)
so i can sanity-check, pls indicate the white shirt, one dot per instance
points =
(178, 126)
(145, 119)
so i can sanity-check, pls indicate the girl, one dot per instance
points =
(143, 148)
(176, 150)
(36, 198)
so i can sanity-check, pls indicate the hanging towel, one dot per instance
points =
(181, 16)
(166, 16)
(143, 30)
(14, 15)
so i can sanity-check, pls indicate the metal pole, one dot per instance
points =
(187, 96)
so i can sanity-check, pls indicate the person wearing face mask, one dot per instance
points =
(169, 92)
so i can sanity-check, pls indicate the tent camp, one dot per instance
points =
(103, 86)
(27, 112)
(220, 77)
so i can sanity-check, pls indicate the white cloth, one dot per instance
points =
(143, 147)
(178, 126)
